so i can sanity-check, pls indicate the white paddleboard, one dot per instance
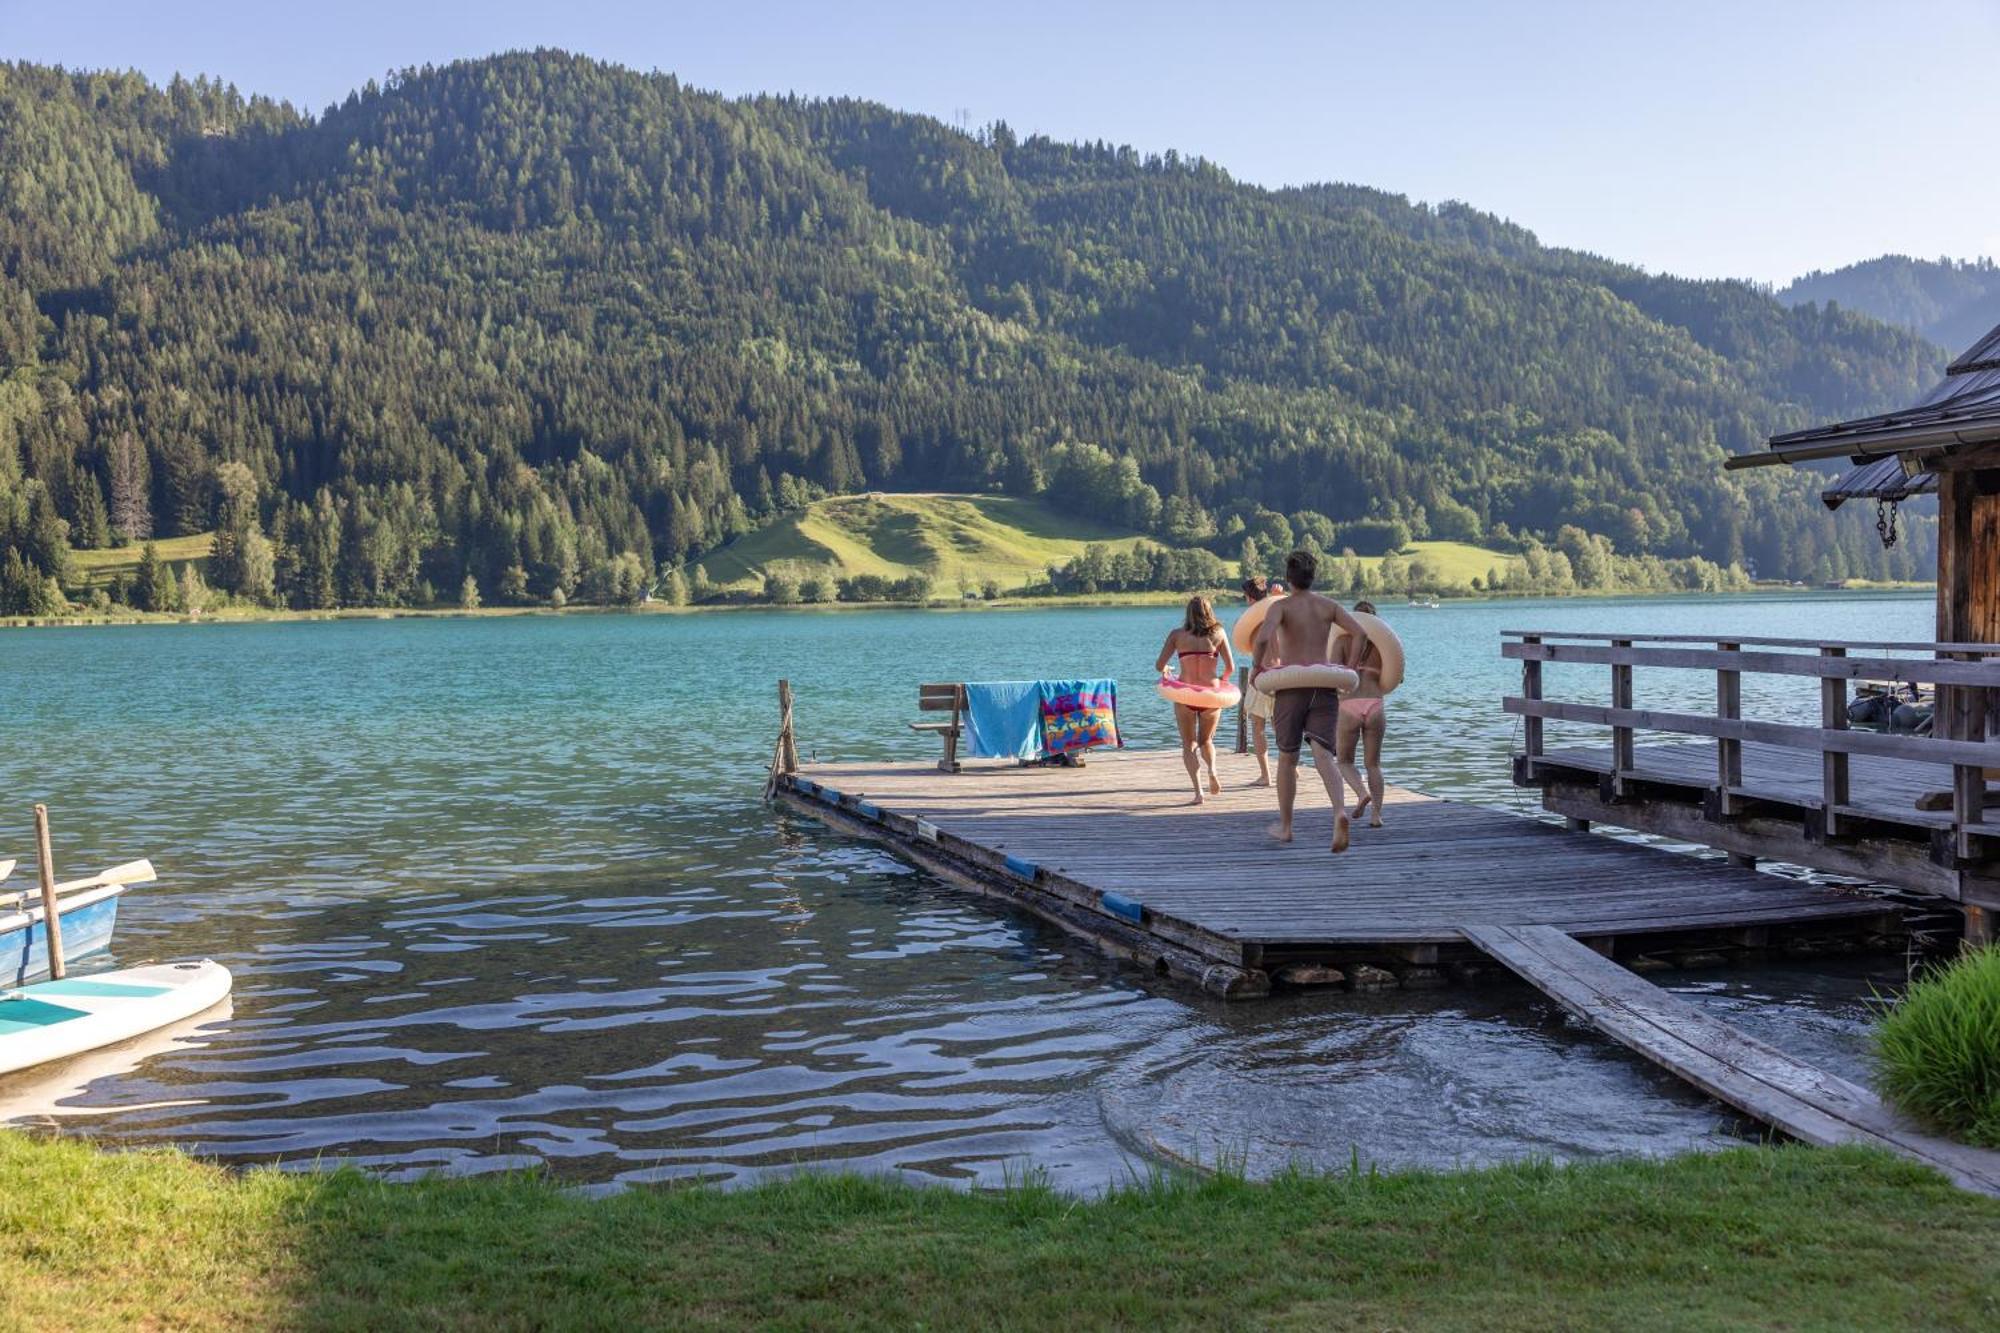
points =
(54, 1019)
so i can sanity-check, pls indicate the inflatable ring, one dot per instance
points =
(1306, 676)
(1222, 694)
(1243, 634)
(1385, 641)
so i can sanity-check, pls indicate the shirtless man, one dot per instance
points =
(1295, 630)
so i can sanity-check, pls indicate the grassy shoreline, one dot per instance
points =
(244, 615)
(1756, 1237)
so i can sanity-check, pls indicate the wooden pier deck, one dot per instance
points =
(1116, 852)
(1119, 840)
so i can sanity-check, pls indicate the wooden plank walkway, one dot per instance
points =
(1728, 1064)
(1116, 851)
(1211, 878)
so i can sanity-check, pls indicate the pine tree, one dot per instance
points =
(468, 593)
(156, 589)
(131, 490)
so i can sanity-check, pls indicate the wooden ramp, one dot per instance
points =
(1728, 1064)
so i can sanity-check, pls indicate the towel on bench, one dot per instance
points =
(1003, 719)
(1026, 719)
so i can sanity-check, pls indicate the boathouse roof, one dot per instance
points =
(1961, 411)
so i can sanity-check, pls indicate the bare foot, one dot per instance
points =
(1198, 798)
(1281, 831)
(1214, 784)
(1263, 781)
(1375, 820)
(1340, 832)
(1359, 806)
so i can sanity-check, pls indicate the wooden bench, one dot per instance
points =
(943, 698)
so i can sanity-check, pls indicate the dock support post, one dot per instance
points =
(786, 737)
(1979, 927)
(51, 919)
(1242, 715)
(1624, 755)
(1833, 763)
(1531, 688)
(1728, 749)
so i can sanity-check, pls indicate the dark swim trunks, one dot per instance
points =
(1302, 714)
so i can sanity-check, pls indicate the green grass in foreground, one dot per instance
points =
(98, 568)
(1778, 1238)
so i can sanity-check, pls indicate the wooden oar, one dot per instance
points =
(6, 869)
(132, 872)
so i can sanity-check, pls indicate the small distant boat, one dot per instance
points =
(52, 1020)
(1430, 604)
(87, 911)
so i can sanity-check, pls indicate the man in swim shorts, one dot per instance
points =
(1295, 630)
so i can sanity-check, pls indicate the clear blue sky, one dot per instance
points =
(1756, 139)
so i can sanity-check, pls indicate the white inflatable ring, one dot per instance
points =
(1306, 676)
(1244, 632)
(1385, 641)
(1222, 694)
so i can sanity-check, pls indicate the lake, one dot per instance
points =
(500, 892)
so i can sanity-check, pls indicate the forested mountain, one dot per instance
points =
(1952, 302)
(534, 328)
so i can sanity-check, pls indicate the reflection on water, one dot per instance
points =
(500, 893)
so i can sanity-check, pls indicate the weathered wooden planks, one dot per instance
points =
(1757, 1078)
(1123, 825)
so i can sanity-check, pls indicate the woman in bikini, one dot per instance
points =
(1362, 717)
(1203, 652)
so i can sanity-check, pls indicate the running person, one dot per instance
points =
(1203, 651)
(1363, 717)
(1295, 631)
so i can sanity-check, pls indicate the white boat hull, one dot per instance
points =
(52, 1020)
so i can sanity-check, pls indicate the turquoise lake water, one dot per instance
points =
(500, 892)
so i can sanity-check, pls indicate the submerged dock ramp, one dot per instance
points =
(1116, 851)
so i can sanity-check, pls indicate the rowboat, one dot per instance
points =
(86, 912)
(51, 1020)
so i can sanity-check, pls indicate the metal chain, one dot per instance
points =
(1885, 522)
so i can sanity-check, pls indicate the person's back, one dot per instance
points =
(1295, 632)
(1302, 623)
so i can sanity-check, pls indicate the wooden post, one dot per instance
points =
(1728, 749)
(1243, 711)
(1531, 688)
(787, 739)
(51, 918)
(1965, 720)
(1624, 755)
(1834, 793)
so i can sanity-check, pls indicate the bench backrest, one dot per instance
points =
(943, 698)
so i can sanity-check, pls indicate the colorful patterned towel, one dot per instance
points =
(1079, 715)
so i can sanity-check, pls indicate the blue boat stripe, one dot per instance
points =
(867, 811)
(1027, 870)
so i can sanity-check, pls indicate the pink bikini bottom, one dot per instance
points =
(1361, 708)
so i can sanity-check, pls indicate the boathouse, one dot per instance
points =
(1919, 809)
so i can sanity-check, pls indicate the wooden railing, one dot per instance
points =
(1967, 677)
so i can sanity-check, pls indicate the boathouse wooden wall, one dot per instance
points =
(1968, 587)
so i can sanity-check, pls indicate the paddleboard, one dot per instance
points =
(51, 1020)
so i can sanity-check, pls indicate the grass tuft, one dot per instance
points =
(1939, 1048)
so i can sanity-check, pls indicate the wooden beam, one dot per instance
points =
(1820, 663)
(1921, 749)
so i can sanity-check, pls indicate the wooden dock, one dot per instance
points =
(1115, 851)
(1118, 840)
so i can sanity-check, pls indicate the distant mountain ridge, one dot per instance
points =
(533, 327)
(1952, 302)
